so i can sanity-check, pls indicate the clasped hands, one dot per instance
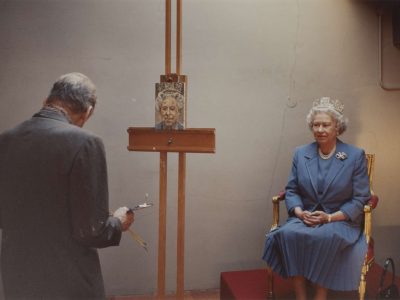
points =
(126, 216)
(313, 218)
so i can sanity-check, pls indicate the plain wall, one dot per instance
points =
(254, 68)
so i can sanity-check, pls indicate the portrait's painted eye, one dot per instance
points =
(316, 125)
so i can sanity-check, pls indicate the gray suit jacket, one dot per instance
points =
(53, 210)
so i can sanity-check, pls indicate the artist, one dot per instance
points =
(54, 200)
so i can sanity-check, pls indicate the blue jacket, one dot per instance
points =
(347, 184)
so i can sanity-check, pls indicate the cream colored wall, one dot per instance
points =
(254, 66)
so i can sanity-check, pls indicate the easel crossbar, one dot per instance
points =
(195, 140)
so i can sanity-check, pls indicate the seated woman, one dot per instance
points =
(322, 241)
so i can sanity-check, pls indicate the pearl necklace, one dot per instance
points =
(326, 156)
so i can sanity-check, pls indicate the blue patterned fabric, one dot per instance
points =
(331, 254)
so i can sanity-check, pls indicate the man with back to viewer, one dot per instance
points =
(54, 199)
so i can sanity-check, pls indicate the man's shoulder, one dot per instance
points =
(75, 133)
(12, 132)
(51, 131)
(81, 132)
(67, 134)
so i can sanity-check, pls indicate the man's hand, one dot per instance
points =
(126, 216)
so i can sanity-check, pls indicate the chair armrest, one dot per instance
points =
(280, 196)
(372, 203)
(275, 211)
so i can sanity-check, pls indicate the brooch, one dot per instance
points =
(341, 155)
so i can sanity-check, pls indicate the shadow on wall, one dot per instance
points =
(387, 244)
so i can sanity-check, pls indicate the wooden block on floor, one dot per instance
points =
(252, 284)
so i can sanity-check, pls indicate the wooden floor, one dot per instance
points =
(189, 295)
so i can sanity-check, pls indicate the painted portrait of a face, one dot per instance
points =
(169, 110)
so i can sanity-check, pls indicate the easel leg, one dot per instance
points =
(162, 233)
(181, 227)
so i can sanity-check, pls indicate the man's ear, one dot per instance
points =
(82, 118)
(89, 112)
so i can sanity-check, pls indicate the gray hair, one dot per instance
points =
(170, 94)
(333, 111)
(75, 91)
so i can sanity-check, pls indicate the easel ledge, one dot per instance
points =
(191, 140)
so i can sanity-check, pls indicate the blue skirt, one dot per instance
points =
(330, 255)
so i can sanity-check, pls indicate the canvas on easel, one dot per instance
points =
(170, 106)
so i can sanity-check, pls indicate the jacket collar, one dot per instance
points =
(312, 150)
(53, 113)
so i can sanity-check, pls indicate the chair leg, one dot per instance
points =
(363, 282)
(270, 284)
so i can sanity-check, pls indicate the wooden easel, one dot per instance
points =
(190, 140)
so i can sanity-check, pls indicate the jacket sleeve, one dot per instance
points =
(292, 197)
(361, 190)
(91, 222)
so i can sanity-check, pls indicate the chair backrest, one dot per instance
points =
(370, 166)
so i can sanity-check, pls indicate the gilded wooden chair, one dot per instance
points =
(369, 257)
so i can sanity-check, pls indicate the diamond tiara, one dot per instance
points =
(327, 103)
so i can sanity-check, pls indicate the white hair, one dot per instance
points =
(341, 120)
(74, 90)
